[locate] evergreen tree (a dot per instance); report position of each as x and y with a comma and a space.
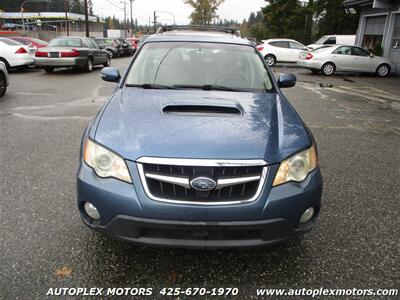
204, 11
332, 18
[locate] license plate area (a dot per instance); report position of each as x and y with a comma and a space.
54, 54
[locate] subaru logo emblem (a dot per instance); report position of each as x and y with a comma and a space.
203, 184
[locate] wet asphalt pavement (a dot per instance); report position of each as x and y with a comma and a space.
43, 243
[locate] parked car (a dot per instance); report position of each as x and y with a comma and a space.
76, 52
142, 39
344, 59
14, 54
134, 43
212, 158
334, 40
112, 46
280, 50
126, 47
28, 41
4, 81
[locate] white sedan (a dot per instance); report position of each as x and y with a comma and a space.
341, 58
14, 54
280, 50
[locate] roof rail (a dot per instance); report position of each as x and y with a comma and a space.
229, 30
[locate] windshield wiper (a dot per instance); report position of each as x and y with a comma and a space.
151, 86
206, 87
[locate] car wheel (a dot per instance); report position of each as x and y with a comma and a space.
49, 69
270, 59
110, 53
108, 62
3, 85
89, 65
328, 69
383, 70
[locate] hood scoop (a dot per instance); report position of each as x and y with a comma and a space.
201, 109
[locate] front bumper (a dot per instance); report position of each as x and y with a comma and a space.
128, 214
60, 62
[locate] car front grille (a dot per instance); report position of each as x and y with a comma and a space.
172, 180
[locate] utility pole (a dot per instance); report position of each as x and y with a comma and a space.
125, 18
86, 18
66, 9
155, 21
131, 18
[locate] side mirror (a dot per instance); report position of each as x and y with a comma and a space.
371, 55
287, 80
102, 47
110, 74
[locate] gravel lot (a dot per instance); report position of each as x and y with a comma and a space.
44, 244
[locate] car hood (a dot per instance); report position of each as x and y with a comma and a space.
264, 126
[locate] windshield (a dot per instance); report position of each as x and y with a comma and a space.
199, 65
65, 43
321, 41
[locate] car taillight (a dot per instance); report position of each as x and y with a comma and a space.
21, 51
41, 54
260, 48
72, 53
309, 56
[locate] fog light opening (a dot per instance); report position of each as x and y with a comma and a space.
91, 211
307, 215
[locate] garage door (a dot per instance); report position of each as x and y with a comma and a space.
375, 25
394, 54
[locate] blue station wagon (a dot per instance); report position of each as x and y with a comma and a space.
197, 147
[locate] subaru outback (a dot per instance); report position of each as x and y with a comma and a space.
198, 147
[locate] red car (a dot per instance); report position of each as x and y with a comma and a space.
29, 41
134, 42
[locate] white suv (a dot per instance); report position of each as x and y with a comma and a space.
280, 50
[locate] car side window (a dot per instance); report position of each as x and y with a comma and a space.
297, 46
359, 51
280, 44
343, 51
86, 44
330, 41
96, 44
91, 44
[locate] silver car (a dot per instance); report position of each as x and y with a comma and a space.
76, 52
4, 81
341, 58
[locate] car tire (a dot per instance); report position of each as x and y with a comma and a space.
89, 65
108, 62
328, 69
270, 60
3, 85
383, 70
110, 53
49, 69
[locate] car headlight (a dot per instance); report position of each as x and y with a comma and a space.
104, 162
297, 167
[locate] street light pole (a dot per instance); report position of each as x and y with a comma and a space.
22, 9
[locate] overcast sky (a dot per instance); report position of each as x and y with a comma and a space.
142, 9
